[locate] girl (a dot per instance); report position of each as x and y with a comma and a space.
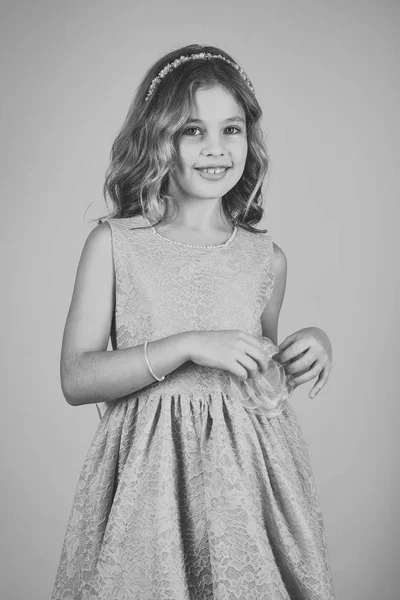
185, 493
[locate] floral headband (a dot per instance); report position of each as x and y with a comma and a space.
182, 59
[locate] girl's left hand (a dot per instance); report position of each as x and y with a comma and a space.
306, 354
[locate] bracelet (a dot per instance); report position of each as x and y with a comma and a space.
148, 364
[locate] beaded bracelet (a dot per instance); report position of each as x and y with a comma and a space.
148, 364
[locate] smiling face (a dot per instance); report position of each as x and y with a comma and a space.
215, 136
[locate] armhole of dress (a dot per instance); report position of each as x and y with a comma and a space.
273, 263
269, 269
113, 253
111, 226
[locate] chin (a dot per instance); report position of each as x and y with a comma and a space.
211, 192
212, 188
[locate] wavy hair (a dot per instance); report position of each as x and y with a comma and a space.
145, 149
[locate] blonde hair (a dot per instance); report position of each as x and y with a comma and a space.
145, 149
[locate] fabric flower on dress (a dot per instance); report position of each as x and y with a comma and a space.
266, 393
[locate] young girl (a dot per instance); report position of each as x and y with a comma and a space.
185, 493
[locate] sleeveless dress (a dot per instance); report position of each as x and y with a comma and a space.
184, 494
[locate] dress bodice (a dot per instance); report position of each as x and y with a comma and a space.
165, 287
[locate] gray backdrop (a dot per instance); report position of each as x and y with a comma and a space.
325, 75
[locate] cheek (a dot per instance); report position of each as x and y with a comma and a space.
241, 153
240, 146
187, 155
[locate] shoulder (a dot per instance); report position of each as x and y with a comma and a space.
95, 270
275, 252
97, 249
125, 223
99, 238
280, 258
109, 237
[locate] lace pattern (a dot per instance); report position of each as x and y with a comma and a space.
184, 494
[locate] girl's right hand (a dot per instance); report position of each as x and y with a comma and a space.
231, 350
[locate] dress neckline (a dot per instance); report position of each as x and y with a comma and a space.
210, 246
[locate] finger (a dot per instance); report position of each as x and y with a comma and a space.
291, 375
287, 341
249, 364
322, 379
301, 365
257, 354
305, 377
293, 351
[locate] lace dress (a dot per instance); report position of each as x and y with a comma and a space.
185, 494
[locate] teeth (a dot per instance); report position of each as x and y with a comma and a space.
219, 170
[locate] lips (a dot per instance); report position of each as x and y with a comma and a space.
214, 174
213, 167
221, 170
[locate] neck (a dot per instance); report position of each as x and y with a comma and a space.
202, 215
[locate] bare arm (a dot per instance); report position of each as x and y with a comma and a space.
270, 315
306, 353
90, 373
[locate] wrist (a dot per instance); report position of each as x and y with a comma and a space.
188, 341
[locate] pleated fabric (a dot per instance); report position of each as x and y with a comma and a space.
185, 494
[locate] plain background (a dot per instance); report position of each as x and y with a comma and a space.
325, 76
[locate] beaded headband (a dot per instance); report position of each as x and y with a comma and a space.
182, 59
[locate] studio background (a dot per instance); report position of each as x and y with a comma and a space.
325, 76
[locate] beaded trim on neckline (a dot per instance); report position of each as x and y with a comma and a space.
226, 243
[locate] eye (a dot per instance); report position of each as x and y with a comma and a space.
189, 129
233, 127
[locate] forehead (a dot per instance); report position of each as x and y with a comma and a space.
215, 104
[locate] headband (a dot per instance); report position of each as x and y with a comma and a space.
182, 59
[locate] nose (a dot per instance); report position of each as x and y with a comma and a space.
213, 145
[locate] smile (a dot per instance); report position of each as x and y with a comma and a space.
215, 173
214, 170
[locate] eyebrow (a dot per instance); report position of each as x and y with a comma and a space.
230, 119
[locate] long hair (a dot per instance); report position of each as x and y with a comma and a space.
145, 149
